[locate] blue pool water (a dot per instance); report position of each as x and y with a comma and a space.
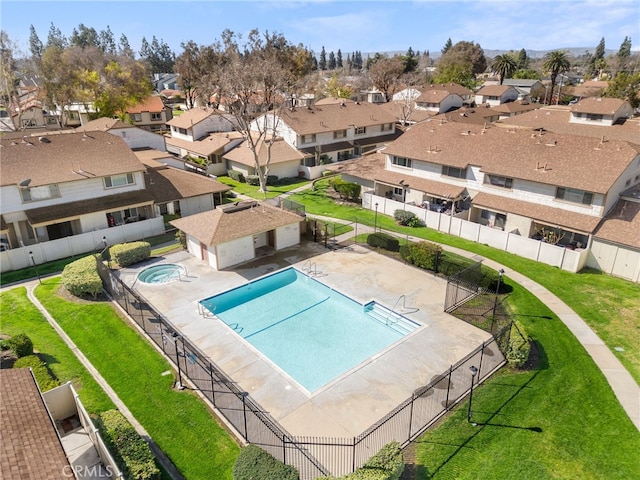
310, 331
167, 272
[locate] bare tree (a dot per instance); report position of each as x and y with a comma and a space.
384, 74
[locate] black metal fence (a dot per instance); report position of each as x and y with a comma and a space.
311, 456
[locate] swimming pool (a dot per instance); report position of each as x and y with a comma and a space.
310, 331
167, 272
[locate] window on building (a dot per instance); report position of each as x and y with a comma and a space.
339, 134
52, 121
574, 196
401, 161
498, 181
386, 127
34, 194
344, 155
156, 116
119, 180
29, 122
136, 117
593, 116
454, 172
308, 138
361, 130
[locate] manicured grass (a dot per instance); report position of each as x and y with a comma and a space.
252, 190
19, 315
611, 306
559, 421
178, 422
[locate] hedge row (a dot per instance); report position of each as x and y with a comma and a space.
125, 254
20, 344
44, 379
387, 464
129, 450
253, 463
81, 278
383, 240
346, 190
422, 254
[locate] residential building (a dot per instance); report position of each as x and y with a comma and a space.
151, 114
331, 133
406, 95
284, 160
62, 193
466, 94
600, 111
523, 86
209, 151
495, 95
133, 136
176, 191
196, 123
438, 101
511, 109
239, 232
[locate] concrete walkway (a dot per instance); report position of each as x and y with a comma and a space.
622, 383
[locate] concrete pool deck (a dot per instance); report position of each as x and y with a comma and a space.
353, 402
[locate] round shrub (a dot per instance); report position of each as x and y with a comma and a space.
20, 345
424, 254
253, 463
81, 277
40, 371
383, 240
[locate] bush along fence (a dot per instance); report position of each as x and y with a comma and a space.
311, 456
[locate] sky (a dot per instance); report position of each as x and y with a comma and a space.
367, 26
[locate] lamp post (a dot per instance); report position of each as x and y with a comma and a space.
474, 372
33, 261
375, 219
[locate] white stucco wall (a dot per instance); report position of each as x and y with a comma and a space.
287, 236
139, 138
235, 252
193, 205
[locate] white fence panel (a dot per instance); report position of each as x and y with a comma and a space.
551, 254
493, 237
470, 231
524, 247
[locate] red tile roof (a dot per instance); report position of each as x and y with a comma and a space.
152, 104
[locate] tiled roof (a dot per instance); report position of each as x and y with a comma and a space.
622, 224
494, 90
598, 105
281, 152
193, 116
329, 118
218, 226
65, 157
399, 108
333, 101
212, 143
541, 213
71, 210
433, 96
450, 87
475, 115
103, 124
29, 444
152, 104
520, 82
166, 184
557, 120
552, 159
517, 106
372, 168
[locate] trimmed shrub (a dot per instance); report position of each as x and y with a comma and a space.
349, 191
20, 345
130, 451
235, 175
424, 254
519, 346
253, 180
383, 240
125, 254
403, 217
81, 278
253, 463
272, 179
43, 376
387, 464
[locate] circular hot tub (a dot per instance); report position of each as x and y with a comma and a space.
165, 273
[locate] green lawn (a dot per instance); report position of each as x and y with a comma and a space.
179, 422
611, 306
19, 315
560, 421
252, 190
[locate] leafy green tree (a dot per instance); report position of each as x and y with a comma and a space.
597, 56
410, 61
84, 37
35, 44
469, 56
337, 89
528, 73
523, 60
555, 63
56, 38
106, 41
332, 61
504, 66
339, 59
385, 72
447, 46
625, 86
124, 49
623, 54
122, 85
456, 73
322, 64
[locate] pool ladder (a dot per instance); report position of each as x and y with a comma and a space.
311, 268
236, 327
393, 312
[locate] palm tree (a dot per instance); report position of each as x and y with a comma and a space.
555, 63
504, 66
